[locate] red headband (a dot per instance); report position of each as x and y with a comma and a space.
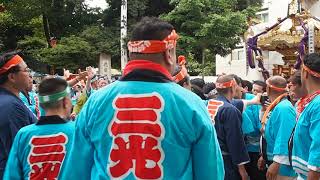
225, 85
313, 73
11, 63
181, 75
183, 72
275, 87
154, 46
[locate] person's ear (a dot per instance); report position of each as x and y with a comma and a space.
168, 57
12, 77
304, 74
64, 102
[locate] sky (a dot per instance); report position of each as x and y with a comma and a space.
97, 3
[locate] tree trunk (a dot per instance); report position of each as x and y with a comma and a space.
46, 29
203, 61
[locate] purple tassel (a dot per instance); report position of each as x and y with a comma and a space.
301, 48
253, 50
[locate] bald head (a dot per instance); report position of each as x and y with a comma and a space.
277, 81
225, 78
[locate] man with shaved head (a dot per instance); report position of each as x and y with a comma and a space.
228, 121
277, 124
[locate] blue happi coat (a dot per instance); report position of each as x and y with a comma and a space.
252, 113
246, 125
32, 103
278, 128
39, 150
306, 143
144, 126
14, 116
228, 122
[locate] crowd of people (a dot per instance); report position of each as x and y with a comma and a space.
156, 123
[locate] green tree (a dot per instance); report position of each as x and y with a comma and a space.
208, 28
29, 24
72, 52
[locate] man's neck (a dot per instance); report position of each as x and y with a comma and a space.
11, 89
274, 96
59, 113
228, 96
25, 92
313, 88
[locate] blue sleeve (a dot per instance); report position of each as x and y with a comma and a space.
247, 126
13, 170
79, 162
206, 154
314, 151
234, 136
284, 124
238, 103
257, 116
19, 118
246, 123
253, 113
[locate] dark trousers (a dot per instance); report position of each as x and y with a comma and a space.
231, 170
252, 168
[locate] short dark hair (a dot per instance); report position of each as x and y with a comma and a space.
247, 84
198, 82
296, 78
262, 84
312, 61
51, 86
208, 87
3, 60
151, 28
198, 91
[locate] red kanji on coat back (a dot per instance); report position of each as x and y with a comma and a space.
213, 107
137, 133
46, 156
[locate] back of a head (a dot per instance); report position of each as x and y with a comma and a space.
3, 60
296, 78
261, 83
50, 86
221, 80
208, 87
278, 82
198, 91
247, 84
151, 28
237, 79
312, 61
198, 82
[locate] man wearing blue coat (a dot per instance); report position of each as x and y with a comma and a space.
145, 126
14, 77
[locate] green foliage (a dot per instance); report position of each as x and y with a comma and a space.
71, 52
106, 40
206, 28
209, 27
